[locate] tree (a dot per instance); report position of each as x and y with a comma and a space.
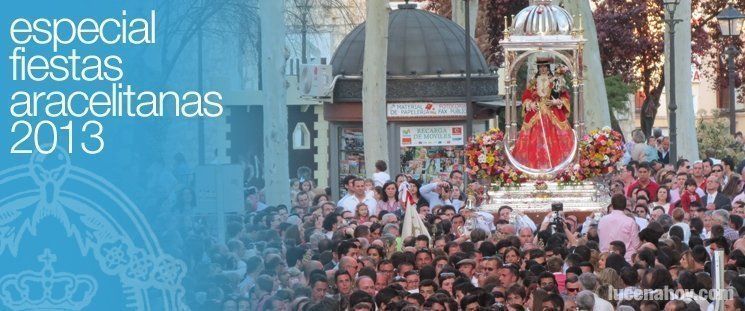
489, 25
714, 139
631, 38
711, 38
313, 17
182, 21
618, 92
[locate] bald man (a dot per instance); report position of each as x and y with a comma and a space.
366, 284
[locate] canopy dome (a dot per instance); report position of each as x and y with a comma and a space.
419, 43
542, 18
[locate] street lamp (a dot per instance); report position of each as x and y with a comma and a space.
730, 24
469, 108
672, 106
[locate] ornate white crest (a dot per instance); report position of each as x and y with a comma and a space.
100, 221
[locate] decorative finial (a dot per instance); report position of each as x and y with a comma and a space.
406, 5
506, 31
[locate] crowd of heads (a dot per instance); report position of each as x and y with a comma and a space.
348, 253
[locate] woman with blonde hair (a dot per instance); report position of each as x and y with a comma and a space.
609, 281
600, 263
686, 261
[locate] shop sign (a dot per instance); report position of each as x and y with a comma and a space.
432, 136
426, 110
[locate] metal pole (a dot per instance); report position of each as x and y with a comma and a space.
731, 51
672, 106
717, 267
469, 109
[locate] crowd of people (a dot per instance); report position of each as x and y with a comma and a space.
659, 235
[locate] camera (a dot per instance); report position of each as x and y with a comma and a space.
557, 223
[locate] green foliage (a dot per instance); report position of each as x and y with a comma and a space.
618, 92
714, 139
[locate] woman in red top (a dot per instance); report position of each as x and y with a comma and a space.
688, 197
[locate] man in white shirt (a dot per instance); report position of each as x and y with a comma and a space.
520, 221
713, 199
358, 195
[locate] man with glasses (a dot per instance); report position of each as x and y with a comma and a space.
682, 166
717, 170
412, 281
713, 198
572, 286
547, 282
490, 266
385, 267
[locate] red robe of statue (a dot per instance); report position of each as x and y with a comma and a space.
546, 138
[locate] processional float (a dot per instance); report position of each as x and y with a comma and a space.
544, 122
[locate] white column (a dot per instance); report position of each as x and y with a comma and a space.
373, 84
276, 158
597, 113
686, 116
459, 13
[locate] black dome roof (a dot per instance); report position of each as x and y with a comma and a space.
419, 42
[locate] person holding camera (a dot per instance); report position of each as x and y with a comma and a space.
437, 193
554, 223
617, 226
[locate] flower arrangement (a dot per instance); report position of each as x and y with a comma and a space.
599, 151
486, 160
561, 70
571, 176
484, 155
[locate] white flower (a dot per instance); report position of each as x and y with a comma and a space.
487, 140
482, 158
606, 129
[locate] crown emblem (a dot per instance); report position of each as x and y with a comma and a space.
46, 289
